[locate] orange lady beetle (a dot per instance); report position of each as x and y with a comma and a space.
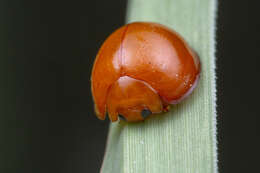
140, 70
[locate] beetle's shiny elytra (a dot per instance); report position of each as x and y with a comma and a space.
140, 69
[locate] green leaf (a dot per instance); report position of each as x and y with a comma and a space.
184, 139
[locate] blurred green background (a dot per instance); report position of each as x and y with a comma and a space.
48, 122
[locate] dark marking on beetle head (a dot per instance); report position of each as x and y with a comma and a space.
145, 113
121, 117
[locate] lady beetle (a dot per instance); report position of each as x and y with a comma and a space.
140, 70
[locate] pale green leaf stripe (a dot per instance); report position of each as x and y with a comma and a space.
183, 140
